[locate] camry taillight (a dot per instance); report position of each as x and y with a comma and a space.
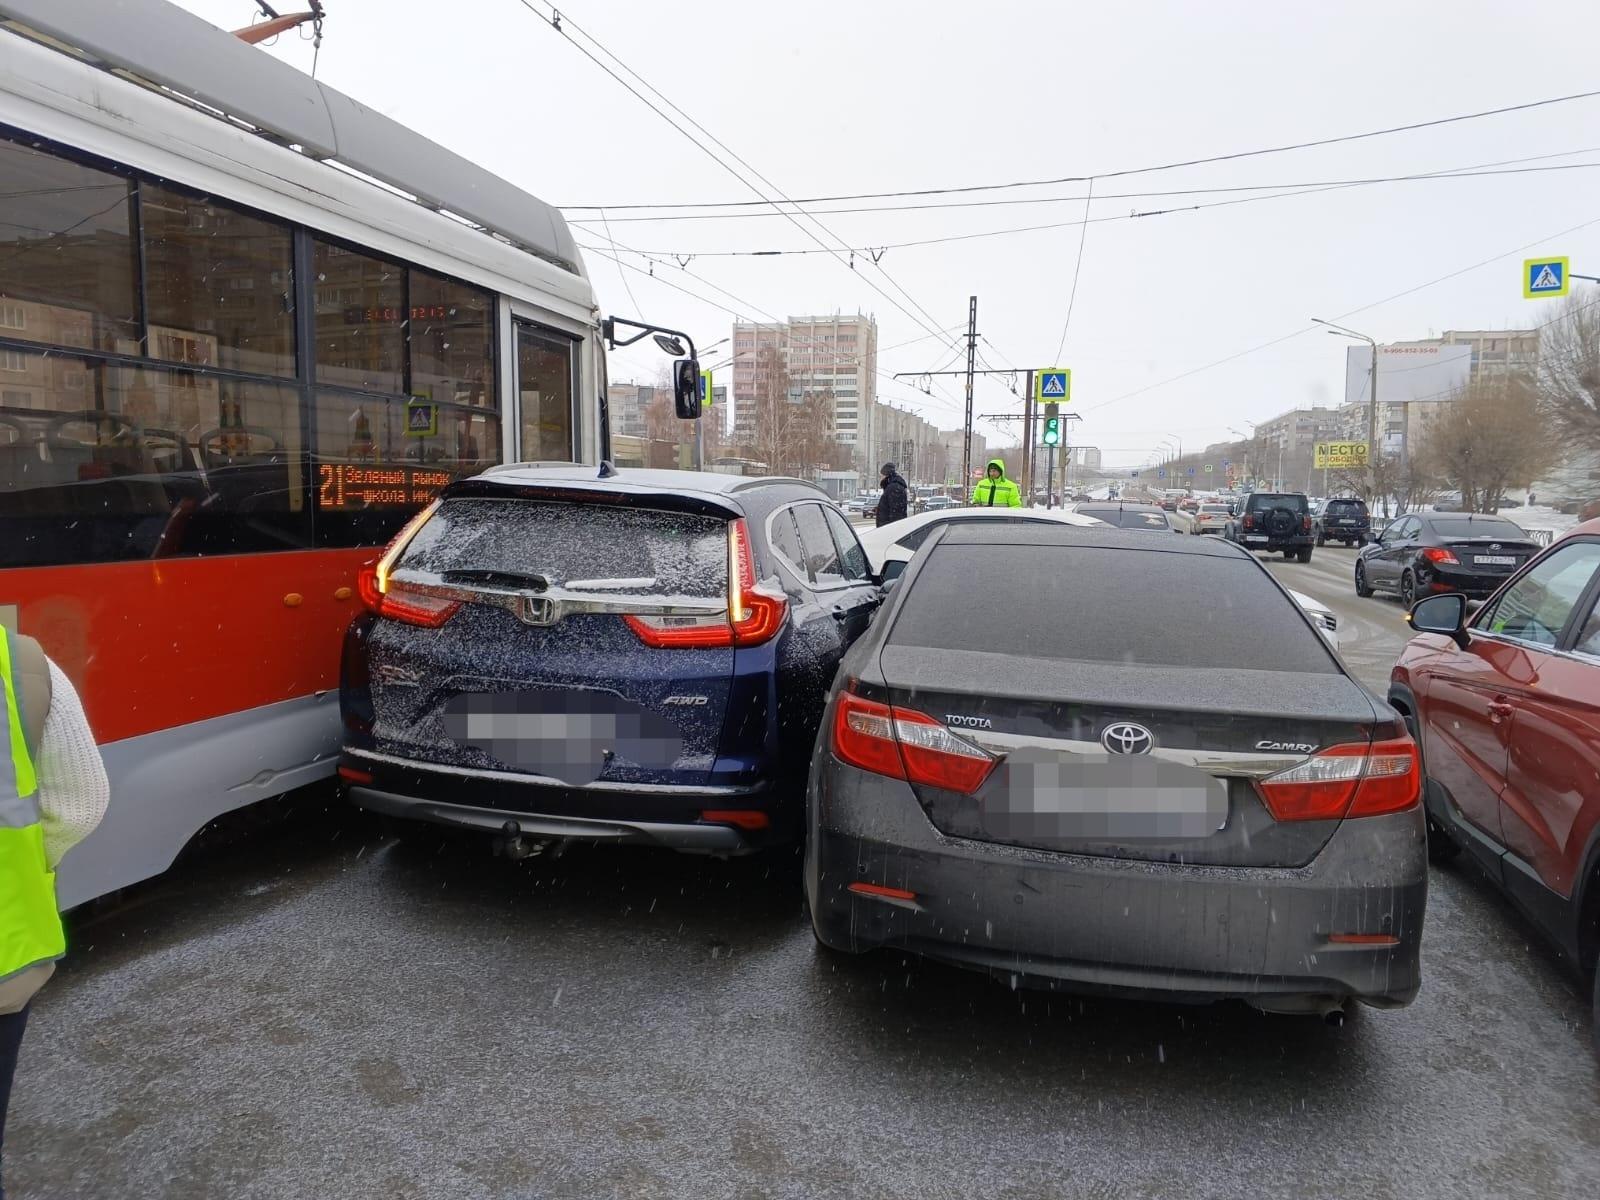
392, 598
1438, 554
903, 743
1351, 780
755, 613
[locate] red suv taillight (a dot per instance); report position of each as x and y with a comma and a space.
1249, 521
903, 743
1438, 554
755, 614
1351, 780
1305, 524
392, 598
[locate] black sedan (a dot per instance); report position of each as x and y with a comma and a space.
1471, 553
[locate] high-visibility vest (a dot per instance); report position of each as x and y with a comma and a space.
30, 925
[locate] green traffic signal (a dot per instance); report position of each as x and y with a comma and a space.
1052, 431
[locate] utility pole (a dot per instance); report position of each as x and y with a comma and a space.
1372, 428
972, 351
1027, 442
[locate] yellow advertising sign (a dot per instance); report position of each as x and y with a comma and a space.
1340, 456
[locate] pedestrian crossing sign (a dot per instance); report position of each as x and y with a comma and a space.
1544, 277
1052, 386
422, 418
1210, 468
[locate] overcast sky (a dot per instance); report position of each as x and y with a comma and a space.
846, 96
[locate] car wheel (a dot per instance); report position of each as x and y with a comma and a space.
1321, 541
1363, 588
1288, 554
1596, 1028
1408, 589
1304, 554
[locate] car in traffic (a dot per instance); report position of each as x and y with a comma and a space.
1128, 514
1276, 522
1343, 520
1505, 705
1470, 553
934, 504
1211, 518
892, 547
984, 788
641, 656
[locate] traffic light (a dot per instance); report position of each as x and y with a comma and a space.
1052, 425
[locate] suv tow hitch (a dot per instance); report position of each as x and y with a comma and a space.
511, 844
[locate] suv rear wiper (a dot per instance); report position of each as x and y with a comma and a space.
515, 579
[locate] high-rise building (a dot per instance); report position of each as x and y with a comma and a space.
837, 354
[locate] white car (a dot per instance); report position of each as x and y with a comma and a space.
890, 547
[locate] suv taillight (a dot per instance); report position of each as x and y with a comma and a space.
392, 598
755, 614
1249, 521
903, 743
1305, 524
1351, 780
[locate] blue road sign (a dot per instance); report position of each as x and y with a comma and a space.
1134, 474
1191, 471
1053, 386
1544, 277
1162, 473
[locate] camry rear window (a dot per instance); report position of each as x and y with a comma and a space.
1107, 604
512, 543
1461, 527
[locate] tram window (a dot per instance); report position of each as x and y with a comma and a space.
68, 261
379, 459
451, 341
544, 383
219, 283
360, 319
107, 463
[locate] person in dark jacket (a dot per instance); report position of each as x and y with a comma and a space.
892, 503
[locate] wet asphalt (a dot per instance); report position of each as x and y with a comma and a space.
320, 1010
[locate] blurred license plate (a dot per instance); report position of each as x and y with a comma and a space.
1254, 537
1494, 560
1347, 520
1043, 797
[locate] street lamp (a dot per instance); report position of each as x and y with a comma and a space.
1248, 438
1372, 402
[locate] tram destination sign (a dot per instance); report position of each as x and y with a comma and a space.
360, 485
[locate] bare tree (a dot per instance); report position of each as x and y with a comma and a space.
792, 434
1569, 372
1494, 435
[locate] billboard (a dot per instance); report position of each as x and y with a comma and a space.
1407, 372
1342, 456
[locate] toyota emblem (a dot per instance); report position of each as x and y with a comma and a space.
1127, 738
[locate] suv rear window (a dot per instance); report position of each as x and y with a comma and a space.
1348, 508
1105, 604
1263, 501
574, 545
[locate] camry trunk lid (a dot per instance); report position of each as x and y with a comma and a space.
1124, 723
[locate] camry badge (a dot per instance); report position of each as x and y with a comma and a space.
1127, 738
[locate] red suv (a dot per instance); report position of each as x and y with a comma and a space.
1505, 706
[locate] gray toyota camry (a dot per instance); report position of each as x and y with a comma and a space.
1036, 764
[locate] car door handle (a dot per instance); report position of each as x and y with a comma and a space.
840, 613
1500, 710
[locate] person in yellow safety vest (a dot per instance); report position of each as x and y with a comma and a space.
53, 792
994, 490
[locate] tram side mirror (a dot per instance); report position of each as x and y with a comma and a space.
686, 388
670, 345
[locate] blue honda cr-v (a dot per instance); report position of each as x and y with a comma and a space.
638, 657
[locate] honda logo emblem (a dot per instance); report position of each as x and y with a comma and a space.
1127, 738
537, 610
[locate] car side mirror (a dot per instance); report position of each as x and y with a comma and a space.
1442, 614
686, 389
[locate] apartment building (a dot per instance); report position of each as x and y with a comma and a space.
837, 353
